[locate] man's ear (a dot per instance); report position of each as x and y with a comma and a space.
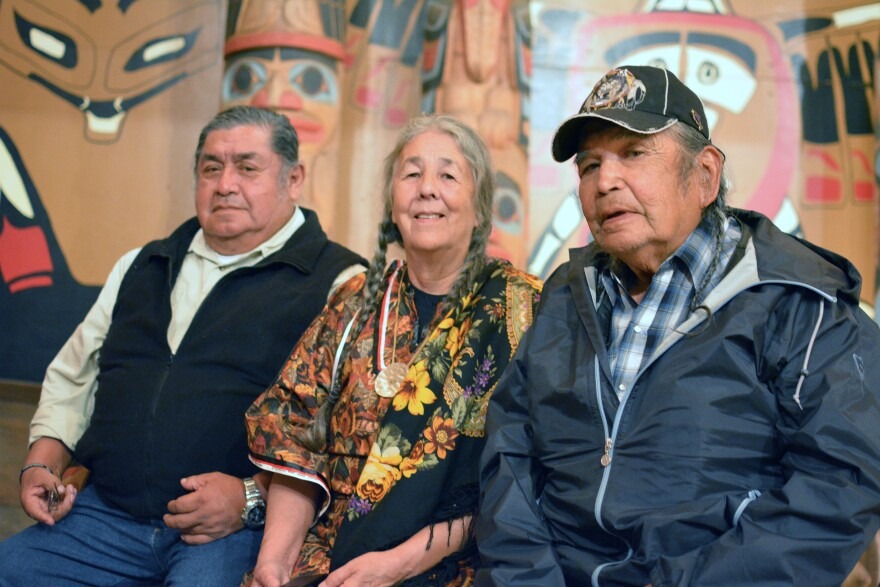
710, 162
296, 177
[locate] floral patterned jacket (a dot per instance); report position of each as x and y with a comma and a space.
394, 465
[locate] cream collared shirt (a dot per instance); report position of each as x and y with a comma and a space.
67, 399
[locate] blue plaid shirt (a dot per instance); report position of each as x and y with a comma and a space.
636, 330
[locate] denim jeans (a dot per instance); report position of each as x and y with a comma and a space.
97, 544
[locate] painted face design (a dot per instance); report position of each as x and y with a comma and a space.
303, 85
723, 59
129, 52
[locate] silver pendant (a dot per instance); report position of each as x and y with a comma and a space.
389, 380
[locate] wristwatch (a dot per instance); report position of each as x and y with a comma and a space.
253, 515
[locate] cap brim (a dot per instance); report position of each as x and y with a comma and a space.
568, 136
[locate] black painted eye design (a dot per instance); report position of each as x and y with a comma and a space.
708, 73
161, 50
243, 79
314, 80
48, 43
507, 214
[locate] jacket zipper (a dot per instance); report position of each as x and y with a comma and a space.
605, 462
606, 458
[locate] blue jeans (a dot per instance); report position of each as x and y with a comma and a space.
97, 544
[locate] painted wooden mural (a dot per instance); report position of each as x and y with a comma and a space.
102, 101
789, 90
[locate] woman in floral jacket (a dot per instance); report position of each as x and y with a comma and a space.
374, 426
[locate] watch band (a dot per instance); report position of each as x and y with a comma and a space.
253, 515
251, 491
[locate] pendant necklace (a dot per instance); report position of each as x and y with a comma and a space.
390, 377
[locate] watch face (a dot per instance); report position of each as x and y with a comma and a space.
256, 516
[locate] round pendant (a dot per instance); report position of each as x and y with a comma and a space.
390, 378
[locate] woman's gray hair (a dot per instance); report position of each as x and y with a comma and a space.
472, 148
477, 155
283, 141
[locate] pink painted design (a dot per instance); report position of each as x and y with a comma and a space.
368, 98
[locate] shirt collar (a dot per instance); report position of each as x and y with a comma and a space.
697, 252
694, 255
199, 245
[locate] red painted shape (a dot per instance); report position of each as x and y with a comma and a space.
318, 44
864, 191
823, 190
30, 283
25, 261
826, 159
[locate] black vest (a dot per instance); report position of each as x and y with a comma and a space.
160, 416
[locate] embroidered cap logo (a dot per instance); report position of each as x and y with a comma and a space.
619, 89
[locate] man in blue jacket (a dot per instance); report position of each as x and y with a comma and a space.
696, 402
150, 391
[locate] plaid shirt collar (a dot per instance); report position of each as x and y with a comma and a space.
636, 330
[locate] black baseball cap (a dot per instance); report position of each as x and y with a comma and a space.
641, 98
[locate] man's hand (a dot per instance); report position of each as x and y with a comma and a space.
373, 569
210, 511
44, 497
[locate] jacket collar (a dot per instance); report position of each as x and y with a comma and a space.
764, 254
301, 251
782, 257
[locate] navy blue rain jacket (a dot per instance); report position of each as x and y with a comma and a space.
746, 453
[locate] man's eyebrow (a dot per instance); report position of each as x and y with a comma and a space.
244, 156
237, 157
581, 155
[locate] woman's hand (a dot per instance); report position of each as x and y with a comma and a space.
373, 569
270, 574
408, 559
290, 510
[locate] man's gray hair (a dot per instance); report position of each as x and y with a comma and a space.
284, 141
691, 143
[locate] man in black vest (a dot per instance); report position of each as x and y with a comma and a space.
149, 392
